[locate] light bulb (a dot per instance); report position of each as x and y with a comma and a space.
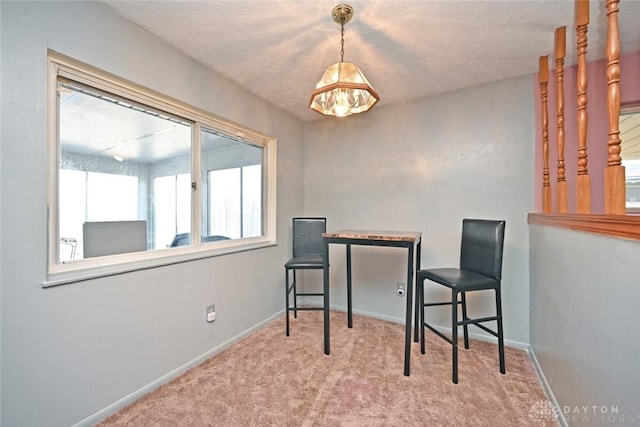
341, 110
345, 97
345, 100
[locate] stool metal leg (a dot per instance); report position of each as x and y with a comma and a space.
295, 295
286, 296
454, 333
420, 285
465, 327
500, 334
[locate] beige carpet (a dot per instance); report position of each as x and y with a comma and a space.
268, 379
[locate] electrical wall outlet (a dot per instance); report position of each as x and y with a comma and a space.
211, 313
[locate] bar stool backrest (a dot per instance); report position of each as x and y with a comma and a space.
482, 246
307, 236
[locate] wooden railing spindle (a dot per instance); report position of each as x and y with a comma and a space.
562, 195
543, 77
614, 173
583, 203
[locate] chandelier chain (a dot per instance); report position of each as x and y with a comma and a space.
342, 42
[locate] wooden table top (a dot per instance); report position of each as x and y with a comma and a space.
392, 236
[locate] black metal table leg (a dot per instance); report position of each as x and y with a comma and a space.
349, 303
409, 314
417, 313
325, 286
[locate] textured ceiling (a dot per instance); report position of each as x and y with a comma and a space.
407, 49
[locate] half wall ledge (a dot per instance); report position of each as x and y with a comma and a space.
620, 226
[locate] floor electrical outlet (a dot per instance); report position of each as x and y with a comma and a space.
211, 313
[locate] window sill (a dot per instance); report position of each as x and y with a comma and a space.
620, 226
105, 266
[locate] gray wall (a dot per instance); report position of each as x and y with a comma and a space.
425, 165
70, 351
584, 322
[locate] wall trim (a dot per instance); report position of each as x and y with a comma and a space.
546, 387
620, 226
132, 397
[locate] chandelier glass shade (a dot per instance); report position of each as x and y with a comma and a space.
343, 89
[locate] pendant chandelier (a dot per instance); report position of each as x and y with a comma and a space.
343, 89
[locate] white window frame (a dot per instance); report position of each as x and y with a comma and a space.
79, 270
632, 108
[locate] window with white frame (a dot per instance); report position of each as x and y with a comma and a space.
138, 179
171, 210
234, 201
630, 153
92, 196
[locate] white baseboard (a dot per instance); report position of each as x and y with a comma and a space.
546, 387
116, 406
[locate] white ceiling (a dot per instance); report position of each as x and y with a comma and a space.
279, 49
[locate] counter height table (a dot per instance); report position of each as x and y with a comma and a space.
403, 239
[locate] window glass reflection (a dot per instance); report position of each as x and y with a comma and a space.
111, 154
232, 174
